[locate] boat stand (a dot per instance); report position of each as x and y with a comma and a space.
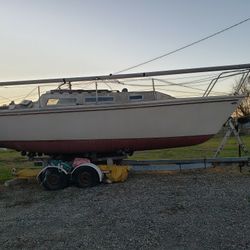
232, 128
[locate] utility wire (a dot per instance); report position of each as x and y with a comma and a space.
184, 47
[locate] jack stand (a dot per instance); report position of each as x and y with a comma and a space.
232, 128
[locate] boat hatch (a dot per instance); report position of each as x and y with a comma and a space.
61, 101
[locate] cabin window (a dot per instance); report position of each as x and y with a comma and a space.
135, 98
90, 99
100, 99
52, 102
61, 101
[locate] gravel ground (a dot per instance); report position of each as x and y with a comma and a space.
195, 210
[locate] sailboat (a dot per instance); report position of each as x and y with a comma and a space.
102, 122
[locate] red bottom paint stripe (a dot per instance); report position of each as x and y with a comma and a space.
103, 146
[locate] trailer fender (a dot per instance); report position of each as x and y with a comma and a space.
40, 175
89, 165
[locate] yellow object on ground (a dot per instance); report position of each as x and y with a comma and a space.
115, 173
27, 173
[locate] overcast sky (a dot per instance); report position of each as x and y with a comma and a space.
59, 38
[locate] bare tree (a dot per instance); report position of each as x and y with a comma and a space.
244, 107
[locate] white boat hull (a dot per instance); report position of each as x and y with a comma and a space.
108, 129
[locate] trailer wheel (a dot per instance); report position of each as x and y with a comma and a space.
85, 177
54, 180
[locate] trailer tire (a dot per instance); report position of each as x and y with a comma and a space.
53, 179
85, 177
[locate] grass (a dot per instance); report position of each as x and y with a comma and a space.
10, 159
203, 150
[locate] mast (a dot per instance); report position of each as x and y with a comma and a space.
131, 75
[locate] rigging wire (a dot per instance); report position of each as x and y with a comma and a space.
184, 47
30, 93
179, 91
17, 99
194, 76
195, 82
107, 85
203, 78
188, 92
212, 75
179, 85
125, 82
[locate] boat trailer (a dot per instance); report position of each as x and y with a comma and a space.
58, 174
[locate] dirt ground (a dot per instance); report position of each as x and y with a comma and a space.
191, 210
